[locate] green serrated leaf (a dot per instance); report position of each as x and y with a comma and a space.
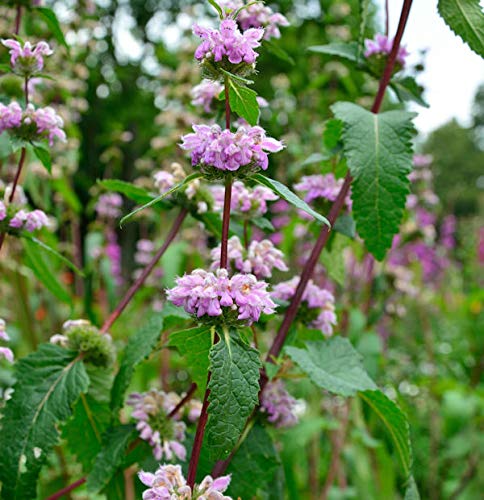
112, 455
378, 150
254, 464
42, 271
53, 23
140, 345
286, 194
466, 19
131, 191
345, 225
49, 381
395, 422
407, 89
186, 181
333, 365
234, 389
243, 101
46, 248
347, 51
194, 344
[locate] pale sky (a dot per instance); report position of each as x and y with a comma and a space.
452, 71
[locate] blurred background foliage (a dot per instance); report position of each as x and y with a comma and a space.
124, 92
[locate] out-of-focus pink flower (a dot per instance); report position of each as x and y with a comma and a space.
314, 297
109, 205
3, 211
210, 146
278, 404
10, 116
321, 186
382, 45
204, 93
228, 42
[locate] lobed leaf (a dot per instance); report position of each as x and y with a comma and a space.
378, 150
234, 389
49, 382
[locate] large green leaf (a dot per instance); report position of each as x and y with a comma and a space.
140, 345
466, 19
254, 464
333, 365
234, 388
92, 414
243, 101
285, 193
194, 344
49, 382
112, 455
41, 267
395, 422
378, 149
154, 201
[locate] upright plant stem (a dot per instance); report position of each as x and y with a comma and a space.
202, 422
146, 271
308, 270
387, 18
18, 18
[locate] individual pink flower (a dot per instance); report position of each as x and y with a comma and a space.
3, 210
228, 42
382, 45
168, 483
210, 146
163, 180
17, 221
278, 404
48, 121
204, 93
10, 116
27, 59
165, 434
259, 259
35, 220
205, 293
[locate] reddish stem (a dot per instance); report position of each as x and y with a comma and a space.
18, 18
187, 396
67, 489
146, 271
197, 443
291, 311
226, 222
387, 18
17, 175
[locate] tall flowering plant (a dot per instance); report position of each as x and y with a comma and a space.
239, 328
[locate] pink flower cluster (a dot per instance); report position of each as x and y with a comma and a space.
259, 259
321, 186
23, 219
5, 352
210, 146
257, 15
29, 58
163, 181
168, 483
382, 45
46, 122
204, 93
228, 42
205, 293
164, 434
314, 297
250, 202
278, 404
109, 205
